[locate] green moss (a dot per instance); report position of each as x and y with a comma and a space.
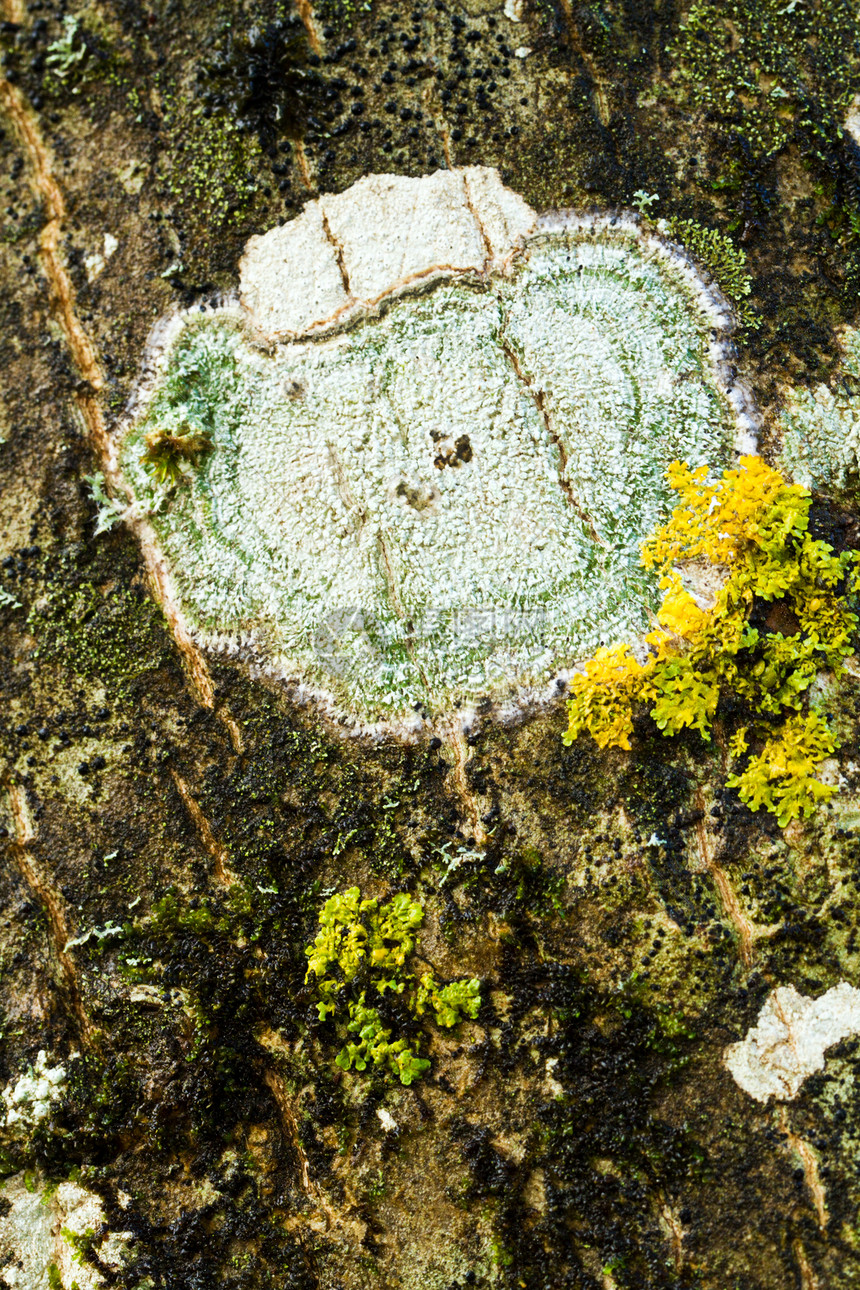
110, 633
771, 75
209, 163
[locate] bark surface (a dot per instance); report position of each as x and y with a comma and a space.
171, 825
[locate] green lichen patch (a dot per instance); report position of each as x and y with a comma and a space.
359, 953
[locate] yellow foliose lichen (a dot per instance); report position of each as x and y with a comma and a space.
773, 609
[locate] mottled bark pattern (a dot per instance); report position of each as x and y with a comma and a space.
171, 825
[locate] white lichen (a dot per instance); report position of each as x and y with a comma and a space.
28, 1099
821, 427
435, 487
108, 511
790, 1040
45, 1233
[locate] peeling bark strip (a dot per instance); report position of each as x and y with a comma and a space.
539, 399
808, 1279
728, 896
462, 755
51, 904
306, 13
304, 168
84, 356
809, 1163
338, 251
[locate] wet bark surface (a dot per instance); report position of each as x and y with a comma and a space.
171, 825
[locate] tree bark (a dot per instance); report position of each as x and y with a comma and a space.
172, 824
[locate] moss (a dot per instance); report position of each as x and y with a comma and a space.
775, 76
209, 162
111, 633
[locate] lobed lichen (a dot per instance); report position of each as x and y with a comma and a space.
445, 501
732, 548
726, 262
359, 953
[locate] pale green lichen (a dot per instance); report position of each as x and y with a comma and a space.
821, 427
108, 512
65, 56
723, 260
29, 1099
445, 501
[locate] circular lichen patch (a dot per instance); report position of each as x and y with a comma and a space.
443, 499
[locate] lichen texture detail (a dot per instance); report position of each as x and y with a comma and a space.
752, 604
412, 465
358, 963
821, 427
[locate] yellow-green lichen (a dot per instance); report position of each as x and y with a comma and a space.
359, 954
764, 609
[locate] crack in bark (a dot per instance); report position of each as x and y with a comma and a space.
338, 252
802, 1150
676, 1234
50, 902
345, 493
219, 853
288, 1120
388, 573
808, 1279
488, 249
302, 163
306, 13
462, 753
728, 896
84, 356
747, 931
808, 1160
225, 876
539, 399
397, 606
601, 102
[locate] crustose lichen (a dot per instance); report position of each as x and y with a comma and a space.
359, 953
773, 610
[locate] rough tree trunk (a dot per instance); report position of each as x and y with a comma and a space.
172, 825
